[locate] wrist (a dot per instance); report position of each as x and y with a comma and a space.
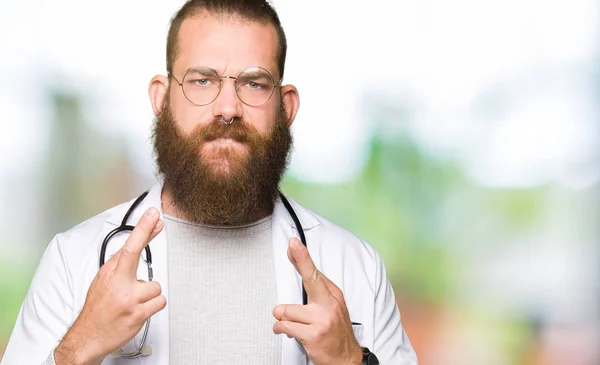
356, 356
72, 351
63, 355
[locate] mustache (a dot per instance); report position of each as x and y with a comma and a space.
239, 131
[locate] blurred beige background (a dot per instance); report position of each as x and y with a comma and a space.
460, 138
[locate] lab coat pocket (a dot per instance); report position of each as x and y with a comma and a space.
358, 329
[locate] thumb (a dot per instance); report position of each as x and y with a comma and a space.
311, 277
293, 242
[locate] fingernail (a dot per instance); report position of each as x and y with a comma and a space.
276, 312
159, 225
295, 242
152, 212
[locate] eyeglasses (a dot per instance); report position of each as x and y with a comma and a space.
202, 85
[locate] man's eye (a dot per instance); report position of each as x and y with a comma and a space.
253, 85
202, 82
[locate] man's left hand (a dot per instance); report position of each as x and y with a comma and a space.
323, 325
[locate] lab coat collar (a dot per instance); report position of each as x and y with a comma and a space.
289, 282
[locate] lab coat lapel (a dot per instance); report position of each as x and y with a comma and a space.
289, 283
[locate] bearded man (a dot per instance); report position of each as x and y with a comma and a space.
213, 265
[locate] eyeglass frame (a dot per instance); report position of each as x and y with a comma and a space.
275, 85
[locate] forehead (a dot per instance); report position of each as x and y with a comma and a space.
226, 44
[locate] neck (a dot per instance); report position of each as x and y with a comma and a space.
170, 208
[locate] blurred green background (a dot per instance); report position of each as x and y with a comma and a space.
461, 139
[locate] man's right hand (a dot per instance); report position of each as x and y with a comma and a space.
117, 303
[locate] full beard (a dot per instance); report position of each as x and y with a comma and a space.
241, 188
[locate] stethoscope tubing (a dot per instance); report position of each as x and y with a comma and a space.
124, 227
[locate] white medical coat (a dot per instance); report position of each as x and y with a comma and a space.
70, 263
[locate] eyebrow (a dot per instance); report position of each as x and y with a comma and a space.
256, 73
202, 69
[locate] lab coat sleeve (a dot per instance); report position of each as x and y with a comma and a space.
46, 312
391, 343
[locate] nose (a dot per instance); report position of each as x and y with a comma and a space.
227, 105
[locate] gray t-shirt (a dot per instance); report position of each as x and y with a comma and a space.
222, 291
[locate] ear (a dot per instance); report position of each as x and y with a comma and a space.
157, 90
291, 102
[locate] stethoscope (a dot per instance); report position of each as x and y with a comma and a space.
142, 350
